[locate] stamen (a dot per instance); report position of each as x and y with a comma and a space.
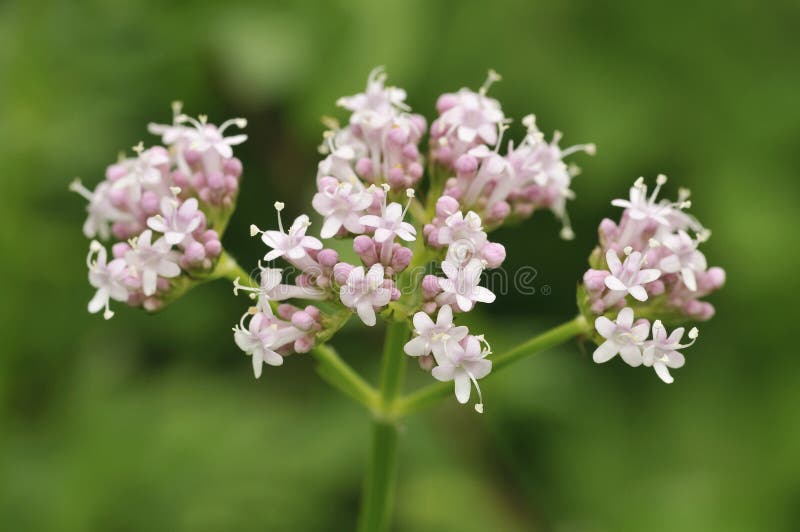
628, 250
479, 404
139, 148
491, 78
77, 186
279, 207
254, 230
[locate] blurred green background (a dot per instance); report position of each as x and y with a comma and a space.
155, 423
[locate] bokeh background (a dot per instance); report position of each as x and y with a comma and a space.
155, 423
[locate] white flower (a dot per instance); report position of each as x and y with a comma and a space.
271, 289
172, 133
464, 363
685, 258
108, 278
669, 216
342, 206
662, 351
458, 226
206, 136
628, 277
376, 100
151, 260
101, 212
390, 223
294, 244
461, 285
258, 342
365, 292
438, 337
145, 171
474, 116
622, 337
177, 221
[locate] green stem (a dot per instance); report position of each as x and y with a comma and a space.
338, 374
376, 501
555, 336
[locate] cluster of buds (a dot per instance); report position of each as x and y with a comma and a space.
465, 142
649, 266
163, 212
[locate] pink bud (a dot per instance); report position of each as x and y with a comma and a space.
494, 254
419, 123
655, 288
152, 304
430, 286
499, 210
341, 271
445, 206
210, 235
180, 179
397, 136
410, 151
401, 258
116, 171
396, 177
213, 248
594, 280
446, 101
466, 164
327, 258
364, 246
313, 311
715, 277
216, 180
195, 252
286, 311
303, 321
364, 167
429, 307
233, 166
598, 307
415, 170
608, 228
192, 157
303, 280
303, 344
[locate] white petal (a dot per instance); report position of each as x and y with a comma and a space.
625, 317
463, 386
613, 261
614, 284
423, 322
366, 313
638, 292
417, 347
663, 372
631, 355
605, 352
605, 326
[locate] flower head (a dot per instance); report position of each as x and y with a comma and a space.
662, 351
623, 337
436, 338
364, 292
465, 364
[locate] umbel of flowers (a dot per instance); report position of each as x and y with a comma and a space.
367, 191
648, 266
163, 212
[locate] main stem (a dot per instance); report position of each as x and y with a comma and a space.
376, 502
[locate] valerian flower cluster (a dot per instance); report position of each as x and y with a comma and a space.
163, 211
649, 265
418, 226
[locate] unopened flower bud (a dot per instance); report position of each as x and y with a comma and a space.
494, 254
